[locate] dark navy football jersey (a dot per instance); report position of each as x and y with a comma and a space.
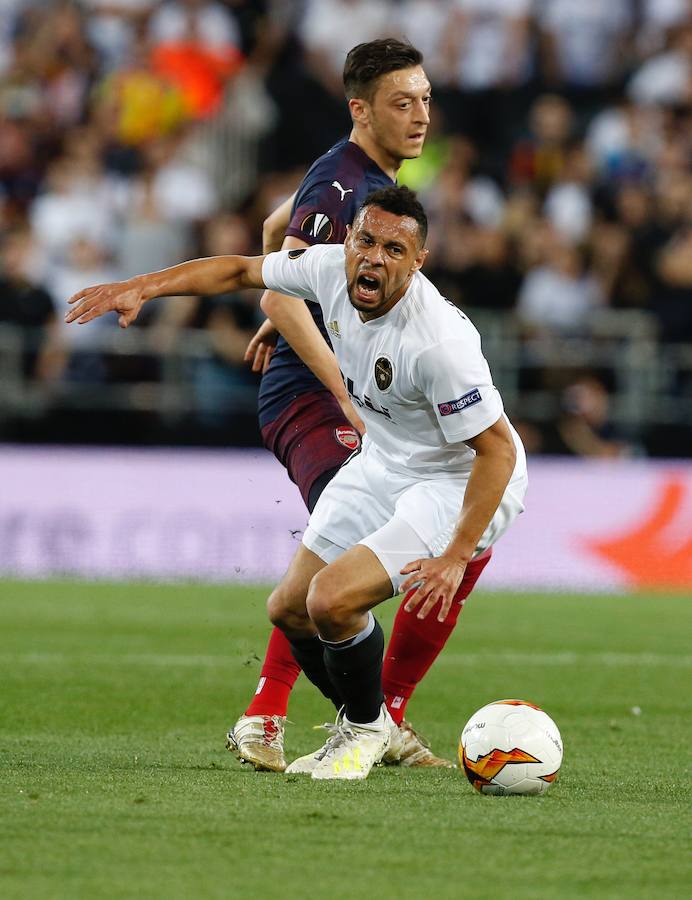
326, 202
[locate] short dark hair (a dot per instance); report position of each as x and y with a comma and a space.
366, 63
400, 201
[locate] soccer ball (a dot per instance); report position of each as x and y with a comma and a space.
510, 747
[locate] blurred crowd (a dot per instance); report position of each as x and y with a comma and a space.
557, 172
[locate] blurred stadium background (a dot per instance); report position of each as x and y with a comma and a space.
558, 179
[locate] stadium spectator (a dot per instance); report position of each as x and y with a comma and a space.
666, 78
583, 426
487, 60
487, 44
331, 27
568, 204
196, 46
674, 306
53, 61
113, 26
461, 192
559, 296
623, 141
425, 23
489, 280
134, 104
66, 210
206, 22
10, 10
146, 236
585, 44
658, 17
538, 158
84, 261
181, 188
225, 390
27, 305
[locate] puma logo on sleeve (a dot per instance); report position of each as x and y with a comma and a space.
341, 190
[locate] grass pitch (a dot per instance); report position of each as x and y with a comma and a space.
114, 783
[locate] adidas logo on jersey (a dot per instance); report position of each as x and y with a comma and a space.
333, 329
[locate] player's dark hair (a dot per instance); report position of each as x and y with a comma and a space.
400, 201
366, 63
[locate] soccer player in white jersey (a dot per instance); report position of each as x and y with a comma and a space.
442, 473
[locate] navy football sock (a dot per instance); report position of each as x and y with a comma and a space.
355, 668
309, 654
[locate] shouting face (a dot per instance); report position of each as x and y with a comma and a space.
383, 252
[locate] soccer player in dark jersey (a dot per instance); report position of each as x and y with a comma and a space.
302, 423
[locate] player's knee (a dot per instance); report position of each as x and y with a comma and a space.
327, 605
285, 611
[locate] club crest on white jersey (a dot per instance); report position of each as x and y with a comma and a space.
384, 373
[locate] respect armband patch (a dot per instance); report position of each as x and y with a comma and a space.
459, 405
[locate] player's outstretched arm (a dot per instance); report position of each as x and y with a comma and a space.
441, 576
199, 277
261, 347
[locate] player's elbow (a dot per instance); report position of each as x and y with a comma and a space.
507, 451
502, 445
270, 304
269, 233
496, 440
496, 445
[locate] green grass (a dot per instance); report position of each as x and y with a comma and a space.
114, 782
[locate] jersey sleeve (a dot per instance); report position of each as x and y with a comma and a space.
322, 211
294, 272
455, 378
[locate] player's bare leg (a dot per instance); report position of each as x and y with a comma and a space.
258, 737
339, 602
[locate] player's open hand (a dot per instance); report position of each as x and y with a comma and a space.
438, 579
259, 350
123, 297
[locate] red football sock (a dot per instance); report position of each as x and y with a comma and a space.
278, 675
416, 643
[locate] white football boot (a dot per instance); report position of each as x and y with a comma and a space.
259, 740
304, 765
354, 749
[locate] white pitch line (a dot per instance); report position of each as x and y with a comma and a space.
504, 658
568, 658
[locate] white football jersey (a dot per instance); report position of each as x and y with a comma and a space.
417, 374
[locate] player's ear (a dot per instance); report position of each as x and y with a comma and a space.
359, 110
419, 260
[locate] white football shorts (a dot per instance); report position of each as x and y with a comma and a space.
398, 517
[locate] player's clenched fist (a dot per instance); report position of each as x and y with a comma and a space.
123, 297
